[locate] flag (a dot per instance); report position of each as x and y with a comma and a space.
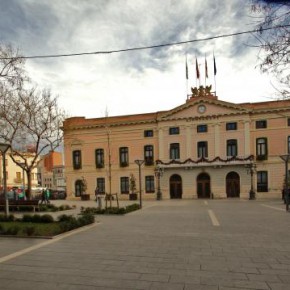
186, 69
214, 65
206, 72
197, 69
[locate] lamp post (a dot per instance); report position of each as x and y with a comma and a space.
158, 174
3, 149
139, 163
252, 169
286, 159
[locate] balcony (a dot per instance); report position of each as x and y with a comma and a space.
215, 162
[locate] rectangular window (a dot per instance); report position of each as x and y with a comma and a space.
149, 184
77, 159
231, 126
18, 176
124, 156
288, 144
124, 185
148, 155
262, 181
99, 158
201, 128
148, 133
288, 121
232, 147
202, 149
101, 185
261, 148
261, 124
174, 151
174, 131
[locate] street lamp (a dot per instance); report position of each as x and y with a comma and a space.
3, 149
286, 159
252, 169
158, 174
139, 163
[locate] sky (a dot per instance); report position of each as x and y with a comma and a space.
141, 81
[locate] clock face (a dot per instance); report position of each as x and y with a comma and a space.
201, 108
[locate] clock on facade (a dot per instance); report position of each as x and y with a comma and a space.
201, 108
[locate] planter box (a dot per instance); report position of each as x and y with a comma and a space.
133, 196
85, 197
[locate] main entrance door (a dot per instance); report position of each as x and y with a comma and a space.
203, 185
175, 186
233, 184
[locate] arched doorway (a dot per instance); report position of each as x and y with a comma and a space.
203, 185
78, 187
175, 186
233, 184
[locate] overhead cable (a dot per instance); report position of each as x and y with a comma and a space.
149, 47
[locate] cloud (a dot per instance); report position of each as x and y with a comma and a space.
127, 82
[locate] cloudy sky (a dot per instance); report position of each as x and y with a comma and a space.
138, 81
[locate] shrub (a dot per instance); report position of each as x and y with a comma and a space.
46, 218
29, 230
37, 218
13, 230
132, 207
27, 218
48, 207
4, 218
86, 219
64, 218
64, 207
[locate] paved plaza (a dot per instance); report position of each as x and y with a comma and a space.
169, 244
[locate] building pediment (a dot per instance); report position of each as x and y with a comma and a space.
203, 107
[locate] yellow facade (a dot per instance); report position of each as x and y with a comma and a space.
204, 148
16, 177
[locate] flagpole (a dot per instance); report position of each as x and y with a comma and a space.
196, 69
204, 71
186, 75
214, 72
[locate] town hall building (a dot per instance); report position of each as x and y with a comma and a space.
204, 148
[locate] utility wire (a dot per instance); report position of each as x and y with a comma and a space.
149, 47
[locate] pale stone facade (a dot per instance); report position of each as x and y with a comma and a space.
205, 148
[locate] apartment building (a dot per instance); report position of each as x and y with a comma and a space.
51, 163
203, 148
16, 176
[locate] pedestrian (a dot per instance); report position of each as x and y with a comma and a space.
98, 198
287, 198
47, 195
43, 196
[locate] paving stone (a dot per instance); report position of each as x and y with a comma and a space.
167, 245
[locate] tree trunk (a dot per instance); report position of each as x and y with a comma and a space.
28, 192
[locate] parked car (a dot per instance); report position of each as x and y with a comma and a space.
57, 194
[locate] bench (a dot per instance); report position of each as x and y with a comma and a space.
34, 203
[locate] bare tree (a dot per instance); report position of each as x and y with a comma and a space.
275, 43
12, 73
30, 121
